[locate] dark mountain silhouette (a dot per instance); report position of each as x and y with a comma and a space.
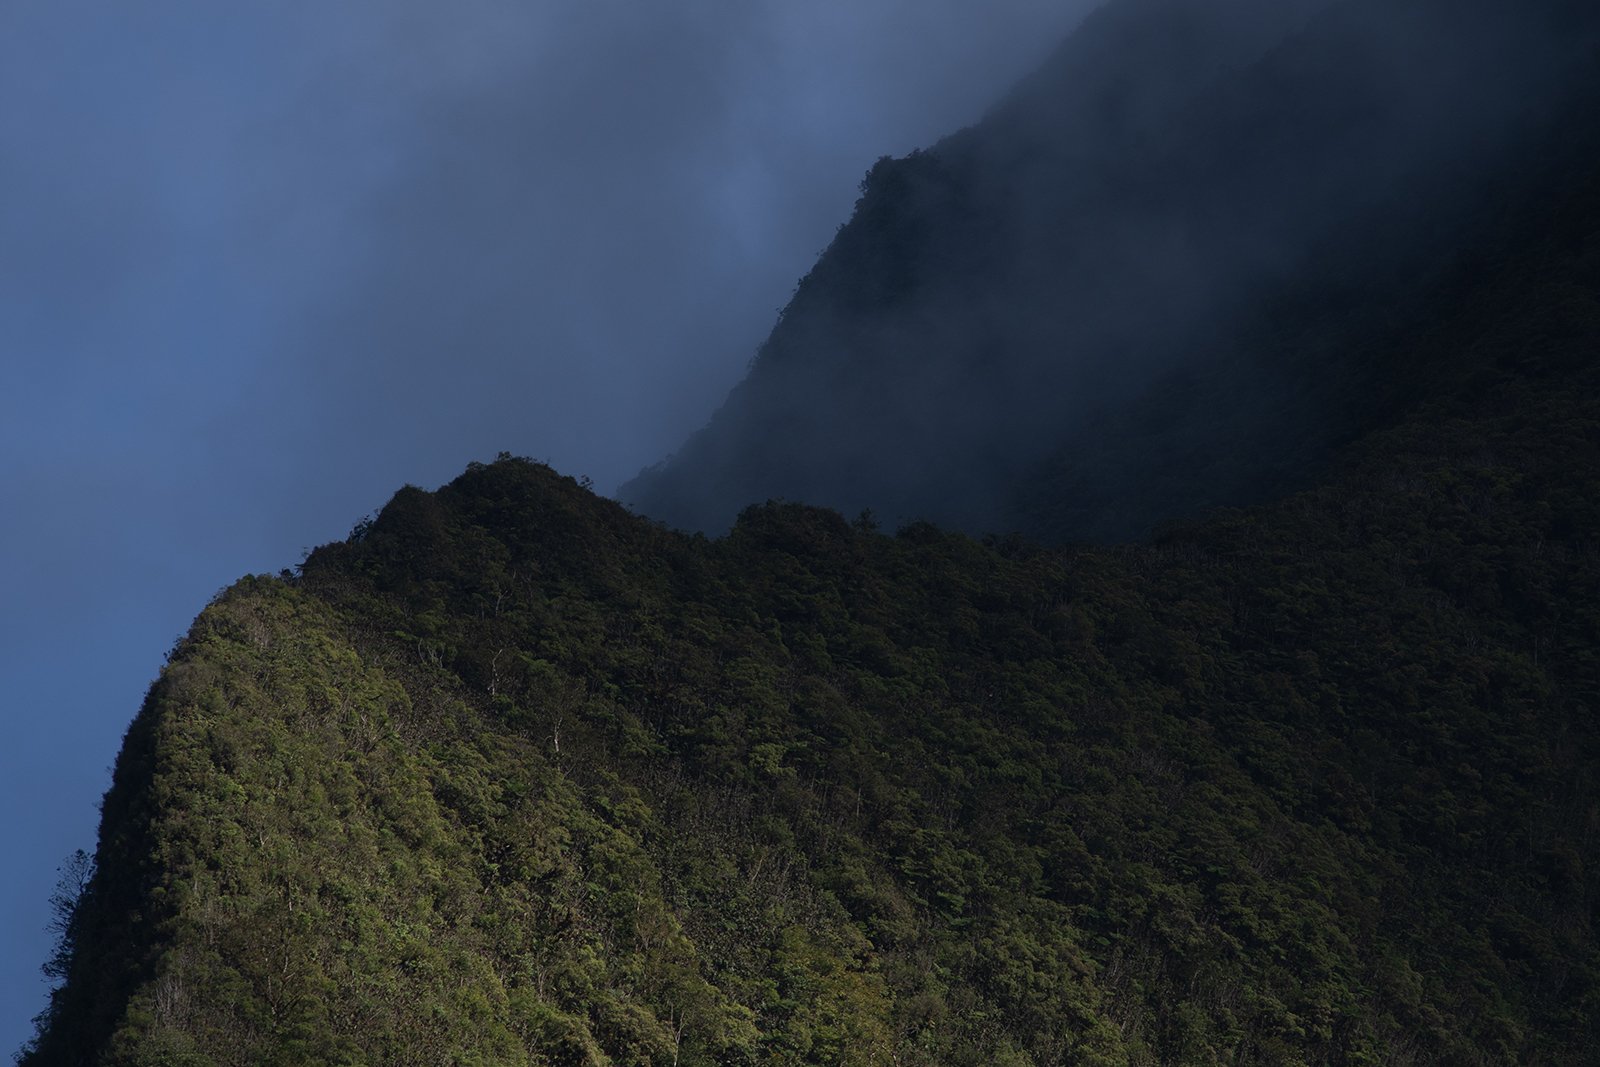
1123, 296
515, 776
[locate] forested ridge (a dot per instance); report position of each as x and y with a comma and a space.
513, 775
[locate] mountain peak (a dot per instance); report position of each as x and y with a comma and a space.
1191, 200
513, 775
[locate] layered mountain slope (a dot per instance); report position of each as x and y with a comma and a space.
1197, 206
513, 776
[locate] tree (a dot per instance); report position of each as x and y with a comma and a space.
76, 873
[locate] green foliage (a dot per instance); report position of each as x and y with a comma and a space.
516, 777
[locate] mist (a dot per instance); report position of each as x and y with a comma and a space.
1134, 292
262, 264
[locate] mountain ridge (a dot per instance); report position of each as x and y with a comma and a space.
1252, 664
513, 775
1053, 286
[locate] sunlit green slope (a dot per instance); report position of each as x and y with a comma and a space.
513, 776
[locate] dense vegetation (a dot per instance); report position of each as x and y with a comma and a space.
515, 776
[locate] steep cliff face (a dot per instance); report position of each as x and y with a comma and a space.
515, 776
1217, 192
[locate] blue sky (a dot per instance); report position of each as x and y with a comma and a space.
263, 263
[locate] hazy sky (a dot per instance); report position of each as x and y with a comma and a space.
262, 263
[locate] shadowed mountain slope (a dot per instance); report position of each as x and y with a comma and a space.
513, 776
1135, 290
